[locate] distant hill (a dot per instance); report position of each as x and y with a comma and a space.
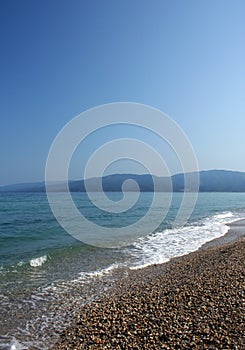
210, 181
24, 187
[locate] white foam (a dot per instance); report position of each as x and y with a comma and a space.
229, 214
160, 247
224, 229
98, 273
14, 344
38, 261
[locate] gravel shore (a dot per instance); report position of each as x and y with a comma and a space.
193, 302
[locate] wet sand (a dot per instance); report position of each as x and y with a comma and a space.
193, 302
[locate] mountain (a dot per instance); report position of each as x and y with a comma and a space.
214, 181
222, 181
24, 187
210, 181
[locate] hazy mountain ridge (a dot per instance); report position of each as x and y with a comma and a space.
210, 181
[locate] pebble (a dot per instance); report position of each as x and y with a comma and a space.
193, 302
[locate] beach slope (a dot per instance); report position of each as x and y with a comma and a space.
192, 302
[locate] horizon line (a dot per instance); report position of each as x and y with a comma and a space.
113, 174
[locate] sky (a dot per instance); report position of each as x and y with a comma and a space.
61, 57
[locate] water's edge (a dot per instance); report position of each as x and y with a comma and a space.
236, 231
94, 285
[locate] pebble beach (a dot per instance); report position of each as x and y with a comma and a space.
196, 301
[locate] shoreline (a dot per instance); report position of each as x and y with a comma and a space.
191, 302
235, 233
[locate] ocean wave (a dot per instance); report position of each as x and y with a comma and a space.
226, 215
224, 229
86, 276
160, 247
35, 262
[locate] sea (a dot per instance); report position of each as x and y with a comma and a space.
46, 274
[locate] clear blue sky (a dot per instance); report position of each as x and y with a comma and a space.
60, 57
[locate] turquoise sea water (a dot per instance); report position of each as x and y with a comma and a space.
45, 274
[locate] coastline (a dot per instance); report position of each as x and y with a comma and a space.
235, 233
192, 302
